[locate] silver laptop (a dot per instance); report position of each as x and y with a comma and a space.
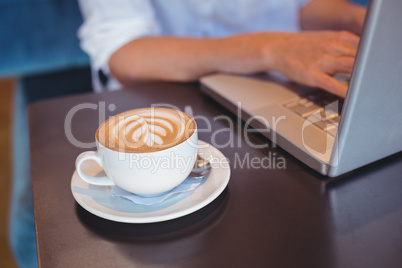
331, 135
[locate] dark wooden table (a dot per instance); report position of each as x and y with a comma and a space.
266, 217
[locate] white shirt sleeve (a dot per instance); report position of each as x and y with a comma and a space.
303, 3
110, 24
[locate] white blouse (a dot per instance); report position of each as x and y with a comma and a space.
110, 24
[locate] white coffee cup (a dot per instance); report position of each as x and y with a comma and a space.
146, 174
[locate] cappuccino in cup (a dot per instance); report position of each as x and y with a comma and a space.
146, 151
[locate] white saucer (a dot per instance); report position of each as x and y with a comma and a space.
99, 201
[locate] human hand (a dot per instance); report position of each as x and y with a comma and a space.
311, 58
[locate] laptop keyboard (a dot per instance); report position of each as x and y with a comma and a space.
321, 108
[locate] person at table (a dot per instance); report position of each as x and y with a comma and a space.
180, 40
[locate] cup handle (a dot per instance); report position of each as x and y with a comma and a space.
90, 155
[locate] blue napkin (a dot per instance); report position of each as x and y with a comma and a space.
188, 185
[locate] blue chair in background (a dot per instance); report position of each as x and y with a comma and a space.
39, 47
361, 2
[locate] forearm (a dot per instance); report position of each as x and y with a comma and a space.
187, 59
307, 57
332, 15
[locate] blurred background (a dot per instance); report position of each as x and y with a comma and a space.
39, 56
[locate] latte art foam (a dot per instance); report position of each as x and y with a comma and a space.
145, 130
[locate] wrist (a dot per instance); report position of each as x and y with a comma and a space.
237, 54
359, 17
244, 53
273, 54
354, 18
